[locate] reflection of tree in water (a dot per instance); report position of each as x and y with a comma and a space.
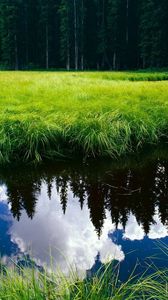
77, 185
23, 194
62, 188
50, 182
161, 191
137, 191
145, 202
96, 205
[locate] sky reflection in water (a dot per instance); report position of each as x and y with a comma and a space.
75, 216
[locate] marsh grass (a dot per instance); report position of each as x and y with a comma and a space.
30, 284
46, 115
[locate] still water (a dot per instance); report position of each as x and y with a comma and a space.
86, 214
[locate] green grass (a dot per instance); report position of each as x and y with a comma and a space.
30, 284
21, 283
47, 115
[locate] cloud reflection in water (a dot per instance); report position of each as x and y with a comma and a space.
71, 236
75, 213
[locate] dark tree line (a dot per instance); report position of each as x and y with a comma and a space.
141, 191
83, 34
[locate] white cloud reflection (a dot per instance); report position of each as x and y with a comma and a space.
70, 237
3, 193
157, 230
133, 231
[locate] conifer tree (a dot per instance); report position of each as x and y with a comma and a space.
83, 34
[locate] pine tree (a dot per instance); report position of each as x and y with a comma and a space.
65, 32
9, 33
112, 33
31, 37
83, 34
151, 28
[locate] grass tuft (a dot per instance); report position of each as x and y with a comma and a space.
47, 115
29, 284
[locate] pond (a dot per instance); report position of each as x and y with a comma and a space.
86, 214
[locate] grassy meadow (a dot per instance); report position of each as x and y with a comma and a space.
48, 115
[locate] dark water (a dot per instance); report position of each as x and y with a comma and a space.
75, 212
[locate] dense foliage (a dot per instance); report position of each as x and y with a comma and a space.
83, 34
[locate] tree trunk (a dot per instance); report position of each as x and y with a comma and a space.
75, 36
47, 55
82, 37
16, 54
26, 37
114, 61
103, 35
127, 16
82, 62
68, 57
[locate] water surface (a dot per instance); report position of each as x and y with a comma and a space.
80, 213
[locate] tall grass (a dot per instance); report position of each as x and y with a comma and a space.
29, 284
47, 115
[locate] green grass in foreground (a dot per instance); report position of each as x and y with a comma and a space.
32, 285
50, 114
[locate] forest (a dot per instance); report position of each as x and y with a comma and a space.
83, 34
